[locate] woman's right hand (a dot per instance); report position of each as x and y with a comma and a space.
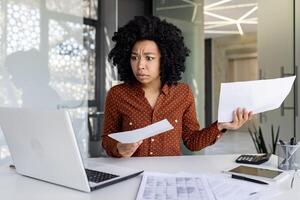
127, 150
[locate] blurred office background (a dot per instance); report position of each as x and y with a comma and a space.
53, 55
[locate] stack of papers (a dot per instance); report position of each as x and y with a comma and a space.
184, 186
256, 96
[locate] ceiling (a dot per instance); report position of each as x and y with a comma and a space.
221, 17
229, 17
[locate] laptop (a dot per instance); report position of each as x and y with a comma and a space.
43, 146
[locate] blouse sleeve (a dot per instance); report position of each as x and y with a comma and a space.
112, 121
194, 138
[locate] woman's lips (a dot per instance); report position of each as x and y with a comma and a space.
142, 76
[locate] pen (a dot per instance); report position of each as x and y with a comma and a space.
293, 141
281, 142
248, 179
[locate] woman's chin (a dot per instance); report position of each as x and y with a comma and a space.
144, 80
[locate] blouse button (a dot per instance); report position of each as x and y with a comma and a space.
151, 153
152, 140
176, 120
130, 123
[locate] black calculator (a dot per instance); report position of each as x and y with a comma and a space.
253, 159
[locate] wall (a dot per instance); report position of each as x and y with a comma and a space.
222, 49
275, 50
128, 9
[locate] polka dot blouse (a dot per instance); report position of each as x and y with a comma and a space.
126, 108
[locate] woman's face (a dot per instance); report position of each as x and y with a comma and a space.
145, 62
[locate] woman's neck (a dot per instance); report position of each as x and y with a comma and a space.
152, 88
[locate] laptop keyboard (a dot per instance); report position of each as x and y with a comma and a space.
97, 177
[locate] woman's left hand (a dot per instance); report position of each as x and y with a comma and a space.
240, 117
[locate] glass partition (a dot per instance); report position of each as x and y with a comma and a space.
44, 63
297, 60
188, 16
275, 59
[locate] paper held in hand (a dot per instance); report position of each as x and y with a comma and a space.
256, 96
142, 133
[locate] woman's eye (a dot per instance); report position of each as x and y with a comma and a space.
148, 58
133, 58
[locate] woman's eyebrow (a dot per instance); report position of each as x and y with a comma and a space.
149, 53
145, 53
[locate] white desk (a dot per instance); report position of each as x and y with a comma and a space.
14, 186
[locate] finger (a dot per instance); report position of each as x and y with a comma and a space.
122, 152
242, 117
129, 149
240, 114
133, 147
234, 122
235, 116
245, 115
126, 147
123, 148
126, 153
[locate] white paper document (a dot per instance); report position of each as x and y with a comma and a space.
173, 187
142, 133
186, 186
256, 96
225, 188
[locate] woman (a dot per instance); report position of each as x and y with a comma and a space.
150, 55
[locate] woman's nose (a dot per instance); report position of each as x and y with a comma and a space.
141, 64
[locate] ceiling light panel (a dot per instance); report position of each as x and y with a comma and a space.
234, 16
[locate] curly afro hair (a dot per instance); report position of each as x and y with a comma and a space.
167, 37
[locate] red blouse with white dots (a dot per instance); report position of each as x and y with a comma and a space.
126, 108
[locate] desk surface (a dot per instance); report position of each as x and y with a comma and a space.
14, 186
